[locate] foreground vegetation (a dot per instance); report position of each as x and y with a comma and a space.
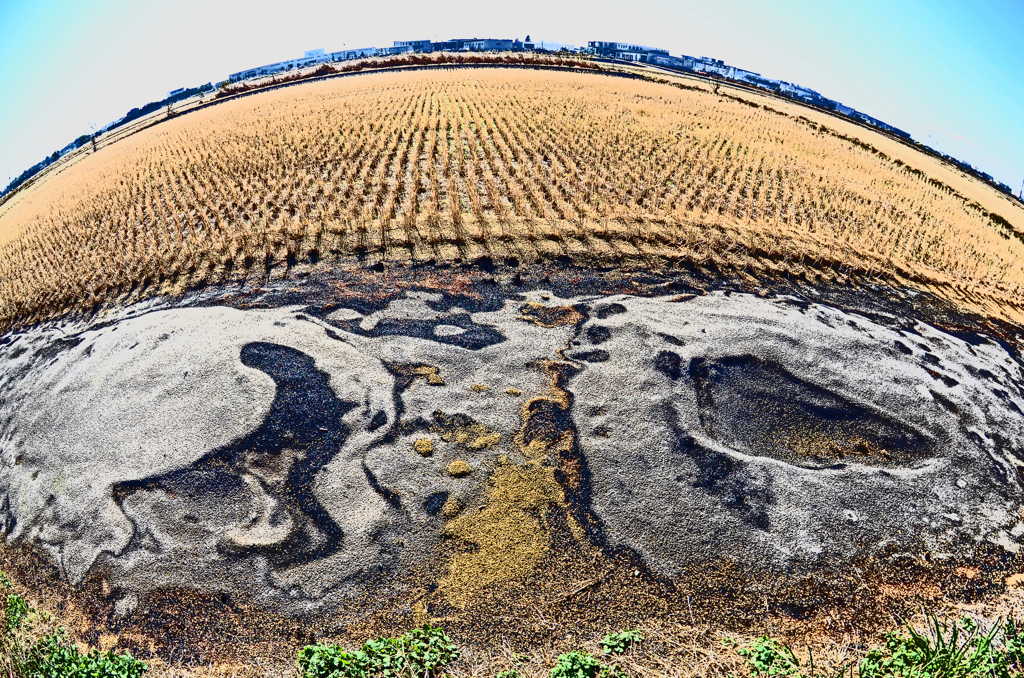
954, 649
450, 165
945, 650
33, 646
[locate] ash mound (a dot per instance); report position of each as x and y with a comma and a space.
301, 457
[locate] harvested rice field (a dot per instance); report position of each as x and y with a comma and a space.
455, 164
530, 355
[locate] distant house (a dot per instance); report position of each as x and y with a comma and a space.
312, 54
528, 44
175, 91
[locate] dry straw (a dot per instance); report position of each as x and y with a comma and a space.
452, 164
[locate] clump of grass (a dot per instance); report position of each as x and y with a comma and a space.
31, 648
421, 653
960, 648
947, 649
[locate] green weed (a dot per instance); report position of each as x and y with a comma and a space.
580, 665
55, 657
618, 642
770, 657
15, 611
420, 653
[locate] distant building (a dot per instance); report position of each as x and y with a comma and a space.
746, 76
396, 49
415, 45
312, 58
798, 92
454, 45
175, 91
715, 66
346, 54
757, 80
625, 50
528, 44
488, 45
682, 63
260, 71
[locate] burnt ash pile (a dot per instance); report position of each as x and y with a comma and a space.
306, 446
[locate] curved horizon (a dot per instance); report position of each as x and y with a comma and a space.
952, 77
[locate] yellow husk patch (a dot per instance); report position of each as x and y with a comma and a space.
509, 532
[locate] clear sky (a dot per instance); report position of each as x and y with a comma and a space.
949, 72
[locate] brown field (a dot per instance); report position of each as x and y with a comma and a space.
455, 164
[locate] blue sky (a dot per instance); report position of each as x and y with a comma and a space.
949, 72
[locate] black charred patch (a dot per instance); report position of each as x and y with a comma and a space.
723, 477
474, 337
597, 334
759, 408
432, 504
669, 364
597, 356
299, 436
903, 348
379, 419
608, 310
675, 341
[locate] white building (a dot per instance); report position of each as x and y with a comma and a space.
798, 91
715, 66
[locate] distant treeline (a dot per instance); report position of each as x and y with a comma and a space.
133, 114
137, 113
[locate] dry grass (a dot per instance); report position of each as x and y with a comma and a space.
461, 163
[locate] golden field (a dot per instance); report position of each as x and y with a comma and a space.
454, 164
